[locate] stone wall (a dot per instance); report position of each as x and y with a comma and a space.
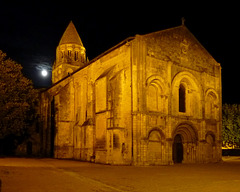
151, 100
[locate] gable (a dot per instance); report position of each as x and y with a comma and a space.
179, 46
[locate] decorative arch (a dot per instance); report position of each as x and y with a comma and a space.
211, 104
187, 131
210, 137
158, 133
210, 146
187, 102
157, 79
155, 100
187, 77
155, 146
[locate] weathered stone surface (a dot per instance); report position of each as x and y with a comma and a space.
153, 99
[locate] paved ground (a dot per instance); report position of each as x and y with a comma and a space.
48, 175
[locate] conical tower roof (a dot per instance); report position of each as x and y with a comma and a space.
70, 36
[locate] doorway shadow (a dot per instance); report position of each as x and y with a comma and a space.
177, 149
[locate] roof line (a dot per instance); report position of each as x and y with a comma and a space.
164, 30
94, 59
122, 43
112, 48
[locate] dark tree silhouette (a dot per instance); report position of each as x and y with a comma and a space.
17, 104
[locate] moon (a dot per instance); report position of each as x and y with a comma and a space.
44, 73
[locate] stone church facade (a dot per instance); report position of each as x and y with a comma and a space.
152, 99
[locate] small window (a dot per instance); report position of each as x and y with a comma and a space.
182, 99
116, 141
76, 56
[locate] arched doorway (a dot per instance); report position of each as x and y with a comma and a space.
184, 147
177, 149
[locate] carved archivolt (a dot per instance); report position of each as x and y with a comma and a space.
186, 90
156, 94
187, 131
211, 104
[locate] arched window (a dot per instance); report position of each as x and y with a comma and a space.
60, 55
186, 96
182, 98
76, 56
211, 106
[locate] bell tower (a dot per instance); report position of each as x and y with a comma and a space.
70, 54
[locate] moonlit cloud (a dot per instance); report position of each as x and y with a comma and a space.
41, 63
43, 66
36, 65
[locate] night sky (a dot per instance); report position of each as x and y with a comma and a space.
30, 33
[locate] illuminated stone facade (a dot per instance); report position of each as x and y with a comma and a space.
152, 99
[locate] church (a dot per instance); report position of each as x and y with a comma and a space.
153, 99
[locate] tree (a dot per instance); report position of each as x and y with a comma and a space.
231, 125
17, 100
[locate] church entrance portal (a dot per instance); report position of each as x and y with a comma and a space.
184, 148
177, 149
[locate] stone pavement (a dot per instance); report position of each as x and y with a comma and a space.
48, 175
